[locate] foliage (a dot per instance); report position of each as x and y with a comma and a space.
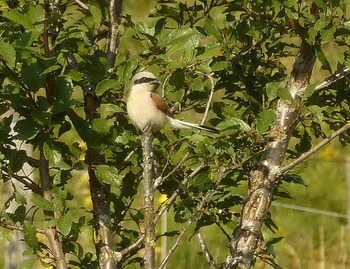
55, 76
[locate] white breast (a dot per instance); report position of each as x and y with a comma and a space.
142, 110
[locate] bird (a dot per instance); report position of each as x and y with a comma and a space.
146, 108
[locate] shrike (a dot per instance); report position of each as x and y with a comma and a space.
146, 108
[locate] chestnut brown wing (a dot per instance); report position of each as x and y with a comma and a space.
160, 104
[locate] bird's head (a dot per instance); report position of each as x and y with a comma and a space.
144, 80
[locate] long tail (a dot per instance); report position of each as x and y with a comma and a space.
187, 125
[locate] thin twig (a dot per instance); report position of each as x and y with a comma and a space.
211, 95
173, 197
14, 227
159, 181
172, 249
332, 79
25, 181
81, 4
206, 252
315, 149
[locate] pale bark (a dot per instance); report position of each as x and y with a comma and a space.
247, 236
148, 199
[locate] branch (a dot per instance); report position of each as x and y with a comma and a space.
25, 181
315, 149
14, 227
206, 252
115, 18
332, 79
148, 199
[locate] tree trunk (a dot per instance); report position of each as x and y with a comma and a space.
247, 236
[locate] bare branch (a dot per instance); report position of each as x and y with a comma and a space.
206, 252
315, 149
332, 79
148, 199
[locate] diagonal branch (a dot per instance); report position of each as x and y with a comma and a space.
332, 79
315, 149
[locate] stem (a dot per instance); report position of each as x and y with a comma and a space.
51, 233
148, 183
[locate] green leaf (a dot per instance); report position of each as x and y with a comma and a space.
284, 93
233, 123
82, 127
63, 94
178, 38
324, 61
26, 129
18, 18
321, 24
310, 90
219, 66
30, 238
327, 34
8, 53
102, 125
293, 178
105, 85
32, 75
317, 111
273, 88
64, 224
52, 152
41, 202
211, 29
51, 69
108, 174
265, 119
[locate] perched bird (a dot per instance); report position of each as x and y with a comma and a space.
146, 108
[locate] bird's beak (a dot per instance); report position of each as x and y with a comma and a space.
156, 82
